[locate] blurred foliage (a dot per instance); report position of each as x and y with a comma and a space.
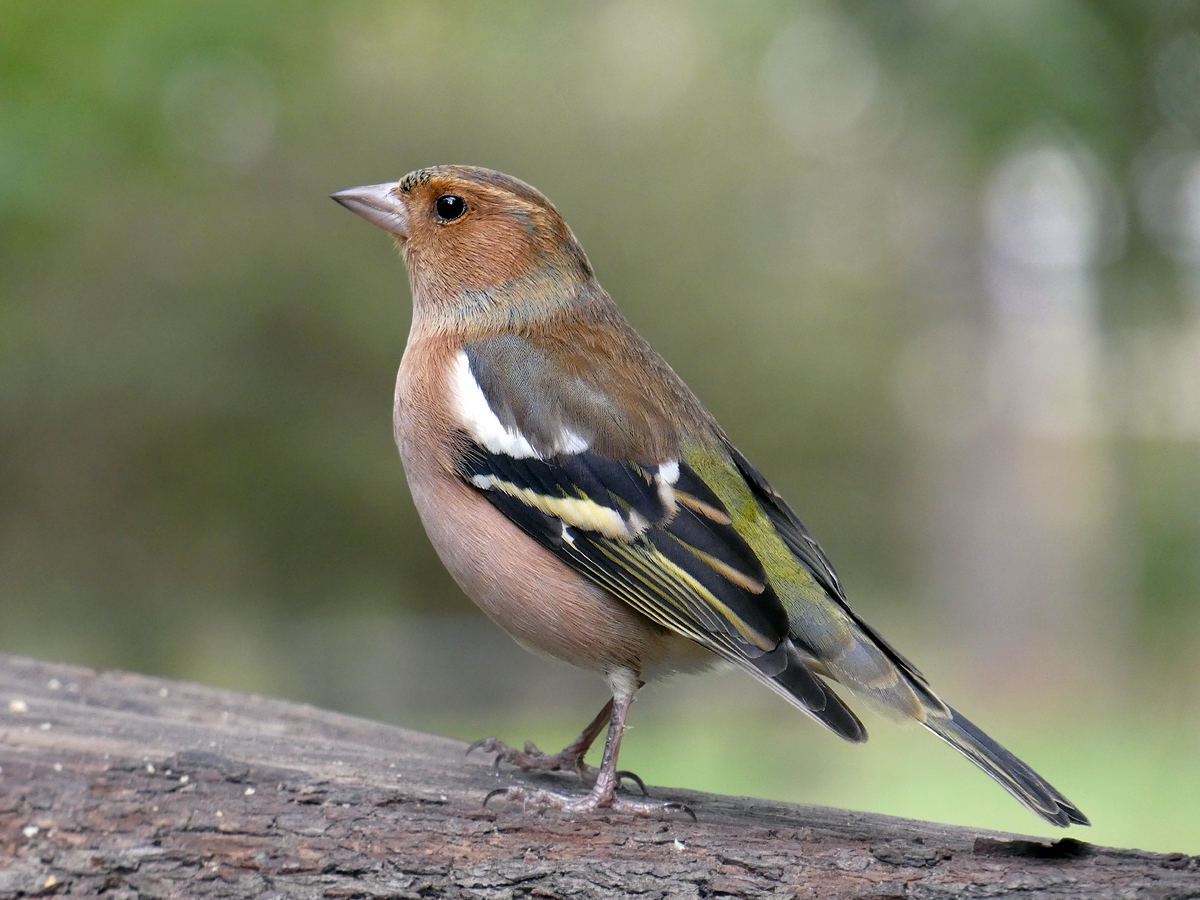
197, 347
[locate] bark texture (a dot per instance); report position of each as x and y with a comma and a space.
126, 787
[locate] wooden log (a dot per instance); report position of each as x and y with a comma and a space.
125, 786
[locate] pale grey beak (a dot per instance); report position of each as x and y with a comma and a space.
379, 205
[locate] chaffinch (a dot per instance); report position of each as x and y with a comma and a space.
584, 498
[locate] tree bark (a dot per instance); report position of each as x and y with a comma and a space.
126, 787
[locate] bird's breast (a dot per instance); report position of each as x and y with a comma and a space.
523, 587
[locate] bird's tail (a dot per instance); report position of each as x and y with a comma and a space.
1013, 775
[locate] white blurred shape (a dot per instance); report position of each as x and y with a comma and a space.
1041, 211
1155, 371
819, 76
1177, 81
1046, 356
647, 56
1023, 541
1188, 207
1044, 220
222, 110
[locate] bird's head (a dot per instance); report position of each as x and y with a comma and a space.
469, 233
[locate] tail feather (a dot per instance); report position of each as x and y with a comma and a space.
1013, 775
797, 680
800, 686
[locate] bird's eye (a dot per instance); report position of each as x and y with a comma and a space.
449, 207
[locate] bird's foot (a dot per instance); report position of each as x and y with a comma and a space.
531, 759
597, 799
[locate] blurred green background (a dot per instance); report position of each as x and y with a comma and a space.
934, 265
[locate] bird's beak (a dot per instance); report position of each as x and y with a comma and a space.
379, 205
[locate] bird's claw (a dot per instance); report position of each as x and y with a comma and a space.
625, 773
676, 806
494, 793
487, 744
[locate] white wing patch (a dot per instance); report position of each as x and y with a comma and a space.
665, 478
570, 442
476, 416
481, 423
668, 472
613, 519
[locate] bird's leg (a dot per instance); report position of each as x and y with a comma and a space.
603, 795
569, 759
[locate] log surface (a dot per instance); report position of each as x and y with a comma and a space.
125, 786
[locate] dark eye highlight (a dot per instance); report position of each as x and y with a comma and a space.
449, 207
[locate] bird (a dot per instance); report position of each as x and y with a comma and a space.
584, 498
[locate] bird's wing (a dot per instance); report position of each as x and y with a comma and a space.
652, 534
